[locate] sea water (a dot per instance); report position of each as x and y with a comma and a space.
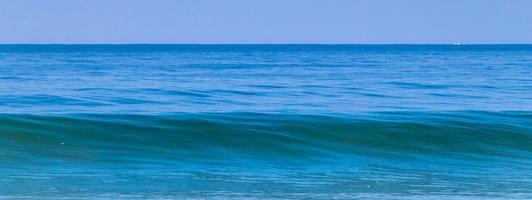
266, 121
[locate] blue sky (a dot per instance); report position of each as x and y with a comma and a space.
265, 21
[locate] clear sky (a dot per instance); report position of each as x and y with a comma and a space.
265, 21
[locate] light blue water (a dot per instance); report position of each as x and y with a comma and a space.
266, 121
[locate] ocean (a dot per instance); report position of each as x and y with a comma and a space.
265, 121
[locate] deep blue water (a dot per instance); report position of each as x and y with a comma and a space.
266, 121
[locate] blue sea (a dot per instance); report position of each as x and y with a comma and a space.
265, 121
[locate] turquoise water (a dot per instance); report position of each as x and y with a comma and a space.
266, 121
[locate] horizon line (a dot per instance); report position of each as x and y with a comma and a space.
452, 44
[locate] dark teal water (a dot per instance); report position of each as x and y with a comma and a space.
266, 121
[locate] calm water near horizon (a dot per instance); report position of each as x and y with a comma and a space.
266, 121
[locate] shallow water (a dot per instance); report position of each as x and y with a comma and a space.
266, 121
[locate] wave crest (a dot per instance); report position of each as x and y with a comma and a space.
239, 137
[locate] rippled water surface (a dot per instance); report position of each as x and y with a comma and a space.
293, 78
266, 121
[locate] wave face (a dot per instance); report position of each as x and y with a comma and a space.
265, 121
238, 155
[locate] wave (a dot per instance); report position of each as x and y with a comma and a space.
380, 155
269, 138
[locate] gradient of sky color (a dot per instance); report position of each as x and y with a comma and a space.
265, 21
